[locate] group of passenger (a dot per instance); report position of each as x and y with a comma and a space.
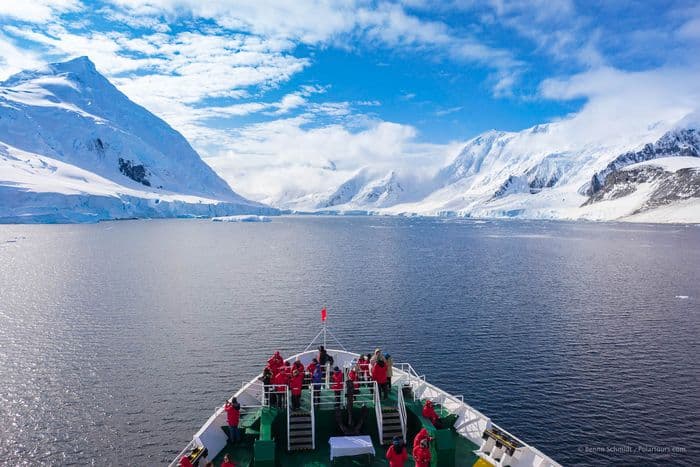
279, 375
397, 454
370, 367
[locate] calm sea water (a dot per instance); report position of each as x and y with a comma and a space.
118, 340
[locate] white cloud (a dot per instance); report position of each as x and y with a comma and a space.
37, 11
284, 158
451, 110
14, 59
621, 104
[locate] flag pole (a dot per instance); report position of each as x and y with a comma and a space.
324, 329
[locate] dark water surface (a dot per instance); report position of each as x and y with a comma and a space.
117, 340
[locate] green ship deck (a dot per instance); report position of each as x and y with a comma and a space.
254, 427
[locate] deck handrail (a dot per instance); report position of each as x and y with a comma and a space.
313, 416
327, 399
188, 448
289, 415
402, 412
378, 411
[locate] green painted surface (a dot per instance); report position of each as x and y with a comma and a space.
269, 447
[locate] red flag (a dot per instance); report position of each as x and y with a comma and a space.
324, 315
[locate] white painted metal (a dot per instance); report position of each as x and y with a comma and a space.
378, 411
402, 412
313, 416
289, 416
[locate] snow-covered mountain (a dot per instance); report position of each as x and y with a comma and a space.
549, 171
74, 148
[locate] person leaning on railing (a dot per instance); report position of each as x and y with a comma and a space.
430, 414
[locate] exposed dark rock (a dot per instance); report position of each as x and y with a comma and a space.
137, 172
673, 144
670, 186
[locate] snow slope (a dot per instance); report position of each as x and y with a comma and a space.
73, 148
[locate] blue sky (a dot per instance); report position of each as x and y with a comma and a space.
267, 88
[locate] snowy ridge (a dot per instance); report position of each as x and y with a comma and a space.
547, 172
67, 135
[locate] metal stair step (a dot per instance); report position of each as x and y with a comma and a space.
301, 440
301, 447
300, 426
297, 433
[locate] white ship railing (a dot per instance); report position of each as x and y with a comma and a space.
402, 412
313, 416
470, 422
289, 417
378, 411
190, 446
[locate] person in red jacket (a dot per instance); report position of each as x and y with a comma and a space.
354, 376
312, 366
379, 375
363, 366
280, 381
421, 453
297, 365
227, 462
337, 386
422, 434
233, 415
397, 454
185, 462
430, 414
275, 362
296, 383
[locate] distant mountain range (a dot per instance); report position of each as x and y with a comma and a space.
539, 173
73, 148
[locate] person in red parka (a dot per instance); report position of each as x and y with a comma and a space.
296, 383
354, 376
275, 362
422, 434
397, 454
337, 386
430, 414
379, 375
297, 365
363, 365
233, 415
421, 453
227, 462
312, 366
280, 381
185, 462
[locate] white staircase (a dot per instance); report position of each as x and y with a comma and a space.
301, 426
393, 419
